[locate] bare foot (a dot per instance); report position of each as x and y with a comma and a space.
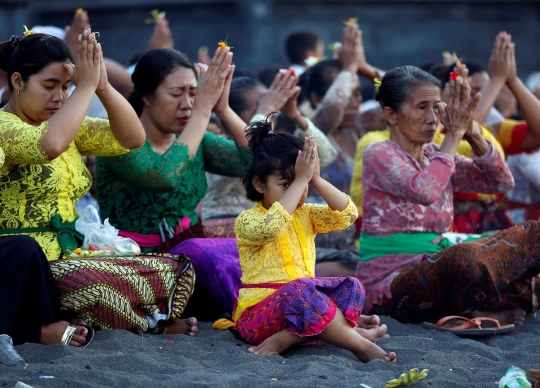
370, 352
78, 321
277, 344
52, 334
374, 333
369, 321
184, 326
506, 317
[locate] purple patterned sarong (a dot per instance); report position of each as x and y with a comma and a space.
217, 267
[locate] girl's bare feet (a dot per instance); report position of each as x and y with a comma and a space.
374, 333
369, 321
184, 326
506, 317
277, 344
52, 334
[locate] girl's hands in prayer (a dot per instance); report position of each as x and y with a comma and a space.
223, 103
317, 167
213, 79
305, 162
87, 72
458, 113
282, 89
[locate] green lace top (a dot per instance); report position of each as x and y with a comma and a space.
137, 190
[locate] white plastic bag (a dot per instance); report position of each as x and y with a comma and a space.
103, 237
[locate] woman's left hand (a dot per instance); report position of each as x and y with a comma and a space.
290, 109
103, 84
459, 111
223, 103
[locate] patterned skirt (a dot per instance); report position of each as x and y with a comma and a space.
304, 307
119, 293
493, 273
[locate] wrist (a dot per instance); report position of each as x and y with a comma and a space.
104, 90
264, 110
223, 111
513, 82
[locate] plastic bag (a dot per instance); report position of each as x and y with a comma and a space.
102, 239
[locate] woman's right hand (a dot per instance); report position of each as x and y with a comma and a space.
282, 89
213, 79
351, 51
457, 116
86, 72
501, 63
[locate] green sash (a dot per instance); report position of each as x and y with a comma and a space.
66, 233
372, 246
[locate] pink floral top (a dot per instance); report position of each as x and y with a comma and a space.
401, 196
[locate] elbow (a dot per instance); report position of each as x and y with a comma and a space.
136, 141
53, 151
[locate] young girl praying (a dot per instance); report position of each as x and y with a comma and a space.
282, 303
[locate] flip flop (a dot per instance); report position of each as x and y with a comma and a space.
471, 327
70, 331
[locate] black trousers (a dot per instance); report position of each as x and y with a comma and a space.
28, 294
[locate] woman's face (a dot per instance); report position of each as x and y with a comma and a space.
43, 93
418, 118
251, 99
170, 106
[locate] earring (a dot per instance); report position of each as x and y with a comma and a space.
18, 91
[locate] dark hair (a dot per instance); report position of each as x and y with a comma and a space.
30, 54
298, 44
317, 79
151, 70
399, 83
272, 152
442, 72
237, 95
267, 75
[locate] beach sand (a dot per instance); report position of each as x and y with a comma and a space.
216, 358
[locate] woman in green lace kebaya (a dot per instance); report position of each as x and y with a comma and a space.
165, 178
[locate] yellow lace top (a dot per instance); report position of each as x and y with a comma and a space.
464, 149
276, 247
32, 189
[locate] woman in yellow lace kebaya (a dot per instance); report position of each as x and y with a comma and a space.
281, 302
44, 134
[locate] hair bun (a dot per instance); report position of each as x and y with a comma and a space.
15, 40
259, 130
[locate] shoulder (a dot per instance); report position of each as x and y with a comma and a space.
373, 137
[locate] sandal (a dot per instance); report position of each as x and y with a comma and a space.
71, 329
475, 327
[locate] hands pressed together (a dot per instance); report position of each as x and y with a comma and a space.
307, 168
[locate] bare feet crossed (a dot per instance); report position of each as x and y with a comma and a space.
369, 327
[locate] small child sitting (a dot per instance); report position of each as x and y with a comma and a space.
281, 302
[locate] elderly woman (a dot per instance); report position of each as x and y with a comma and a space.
408, 186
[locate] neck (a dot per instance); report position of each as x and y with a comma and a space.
159, 140
413, 149
14, 108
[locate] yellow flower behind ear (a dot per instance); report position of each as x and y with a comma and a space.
377, 82
29, 32
79, 10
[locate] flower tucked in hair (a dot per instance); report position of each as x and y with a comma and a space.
155, 15
223, 43
454, 75
377, 82
29, 32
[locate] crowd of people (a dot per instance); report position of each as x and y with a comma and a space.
418, 203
